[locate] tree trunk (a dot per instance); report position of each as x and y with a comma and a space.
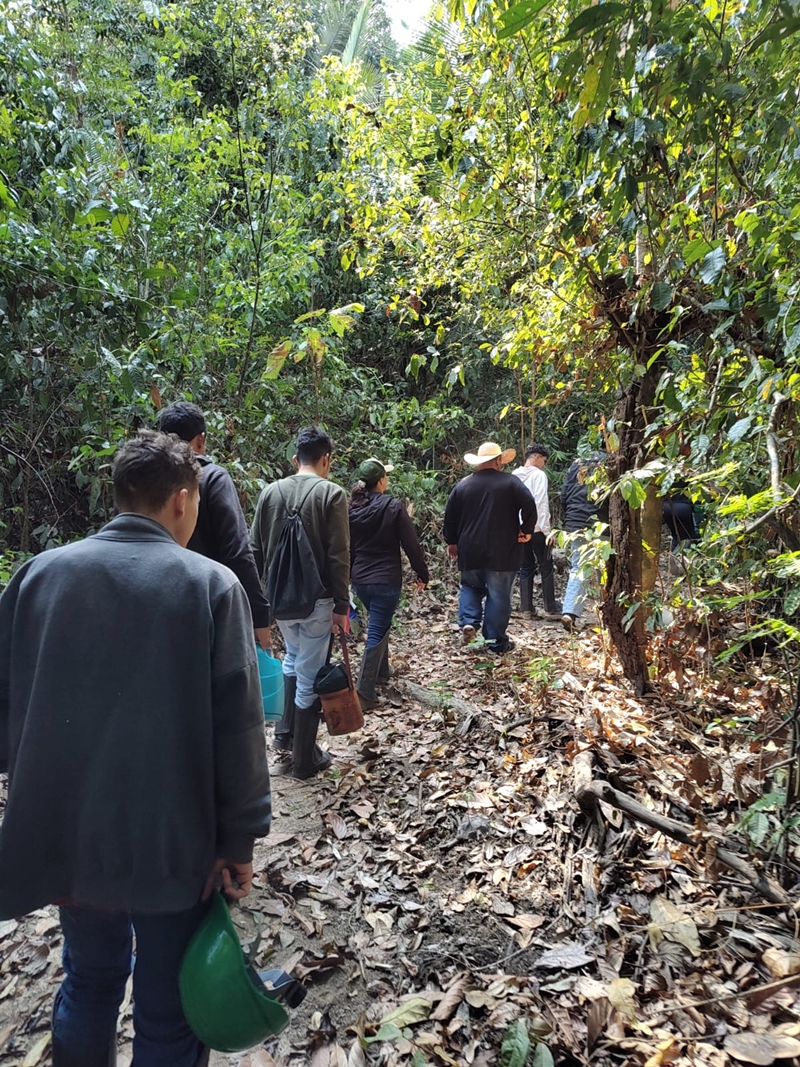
625, 582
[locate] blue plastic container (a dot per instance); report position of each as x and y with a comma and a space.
271, 674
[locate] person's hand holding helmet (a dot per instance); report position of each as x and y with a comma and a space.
234, 879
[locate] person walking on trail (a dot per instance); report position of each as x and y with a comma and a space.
221, 532
489, 516
379, 527
537, 551
579, 513
322, 507
132, 731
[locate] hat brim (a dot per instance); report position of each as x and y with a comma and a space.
476, 461
388, 467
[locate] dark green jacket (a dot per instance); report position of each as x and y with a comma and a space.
131, 724
326, 521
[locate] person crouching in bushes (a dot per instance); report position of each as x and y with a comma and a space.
379, 527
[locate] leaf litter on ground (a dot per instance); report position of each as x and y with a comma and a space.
447, 901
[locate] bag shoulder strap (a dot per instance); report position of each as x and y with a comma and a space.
291, 514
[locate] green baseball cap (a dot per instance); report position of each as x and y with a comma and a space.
372, 470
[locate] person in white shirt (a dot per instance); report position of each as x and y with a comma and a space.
537, 551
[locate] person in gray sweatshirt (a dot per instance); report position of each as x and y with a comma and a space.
132, 732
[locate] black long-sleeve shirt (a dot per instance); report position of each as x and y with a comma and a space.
484, 515
221, 534
378, 529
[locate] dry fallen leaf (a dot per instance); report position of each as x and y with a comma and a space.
622, 994
781, 963
673, 924
567, 957
36, 1052
761, 1048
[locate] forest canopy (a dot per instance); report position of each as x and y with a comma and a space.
553, 220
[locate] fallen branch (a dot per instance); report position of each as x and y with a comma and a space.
761, 992
597, 791
440, 699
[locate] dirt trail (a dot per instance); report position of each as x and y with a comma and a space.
443, 883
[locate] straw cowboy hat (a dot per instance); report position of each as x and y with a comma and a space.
489, 450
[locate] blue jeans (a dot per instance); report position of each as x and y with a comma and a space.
97, 961
381, 602
307, 642
575, 592
495, 587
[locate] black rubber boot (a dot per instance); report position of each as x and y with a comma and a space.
385, 672
551, 605
308, 758
205, 1056
368, 675
526, 597
284, 727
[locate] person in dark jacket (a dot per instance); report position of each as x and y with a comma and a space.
579, 512
221, 532
680, 517
488, 517
132, 731
379, 527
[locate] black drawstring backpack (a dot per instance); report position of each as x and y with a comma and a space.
294, 584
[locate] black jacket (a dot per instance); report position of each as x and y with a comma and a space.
485, 512
378, 529
131, 724
221, 534
579, 510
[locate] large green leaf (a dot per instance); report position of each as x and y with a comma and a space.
519, 16
516, 1045
593, 18
712, 265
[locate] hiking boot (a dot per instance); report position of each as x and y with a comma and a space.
500, 649
283, 738
569, 622
554, 611
468, 634
308, 758
528, 616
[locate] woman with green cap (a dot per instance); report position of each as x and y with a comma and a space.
379, 527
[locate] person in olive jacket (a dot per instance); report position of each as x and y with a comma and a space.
132, 732
379, 527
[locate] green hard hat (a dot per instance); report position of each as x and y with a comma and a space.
225, 1003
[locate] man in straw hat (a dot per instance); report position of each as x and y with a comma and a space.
488, 517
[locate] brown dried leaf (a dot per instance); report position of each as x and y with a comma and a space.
761, 1048
673, 924
452, 998
566, 957
781, 963
527, 921
35, 1054
337, 824
622, 994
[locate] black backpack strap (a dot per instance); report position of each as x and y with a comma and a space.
289, 514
